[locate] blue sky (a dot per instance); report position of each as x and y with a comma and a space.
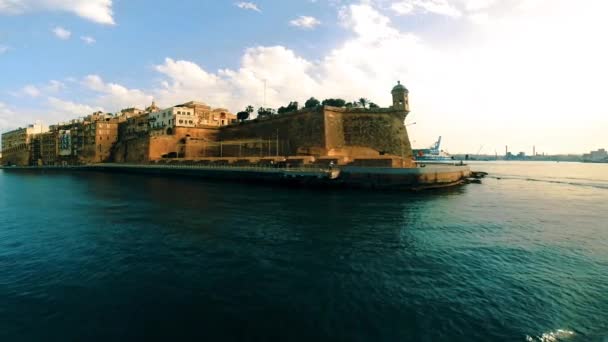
210, 33
481, 72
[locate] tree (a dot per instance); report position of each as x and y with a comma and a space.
373, 105
363, 102
312, 103
265, 112
334, 103
242, 116
249, 109
292, 107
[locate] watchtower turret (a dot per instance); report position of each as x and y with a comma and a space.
401, 98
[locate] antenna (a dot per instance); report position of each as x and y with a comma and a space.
265, 93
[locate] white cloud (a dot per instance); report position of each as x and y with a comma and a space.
62, 33
55, 86
115, 96
305, 22
441, 7
476, 5
6, 117
3, 49
31, 90
71, 109
403, 7
88, 40
286, 75
248, 6
99, 11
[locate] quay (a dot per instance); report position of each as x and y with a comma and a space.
372, 178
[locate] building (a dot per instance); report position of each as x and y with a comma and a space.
206, 116
17, 145
129, 113
599, 156
134, 127
49, 148
165, 121
99, 138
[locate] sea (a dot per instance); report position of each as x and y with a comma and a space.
117, 257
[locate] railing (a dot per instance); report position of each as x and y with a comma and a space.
265, 168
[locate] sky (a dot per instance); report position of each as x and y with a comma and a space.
481, 73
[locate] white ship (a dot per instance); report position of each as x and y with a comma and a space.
433, 155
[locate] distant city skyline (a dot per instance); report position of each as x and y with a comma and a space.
482, 73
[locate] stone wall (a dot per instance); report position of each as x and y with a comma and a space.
298, 133
366, 133
18, 157
147, 148
331, 131
132, 151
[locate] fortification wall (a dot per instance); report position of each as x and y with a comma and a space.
301, 133
331, 131
184, 141
132, 151
366, 133
19, 157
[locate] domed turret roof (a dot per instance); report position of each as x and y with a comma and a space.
400, 88
152, 108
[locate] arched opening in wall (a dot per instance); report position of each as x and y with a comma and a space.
169, 131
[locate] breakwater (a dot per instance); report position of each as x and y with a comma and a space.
343, 177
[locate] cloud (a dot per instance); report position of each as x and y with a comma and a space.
286, 75
115, 96
3, 49
6, 117
55, 86
88, 40
30, 90
403, 7
305, 22
99, 11
440, 7
34, 91
248, 6
71, 109
62, 33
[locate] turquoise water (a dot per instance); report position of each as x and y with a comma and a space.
98, 257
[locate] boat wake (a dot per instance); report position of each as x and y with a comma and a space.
552, 336
592, 183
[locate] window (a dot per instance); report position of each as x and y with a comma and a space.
190, 122
181, 121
